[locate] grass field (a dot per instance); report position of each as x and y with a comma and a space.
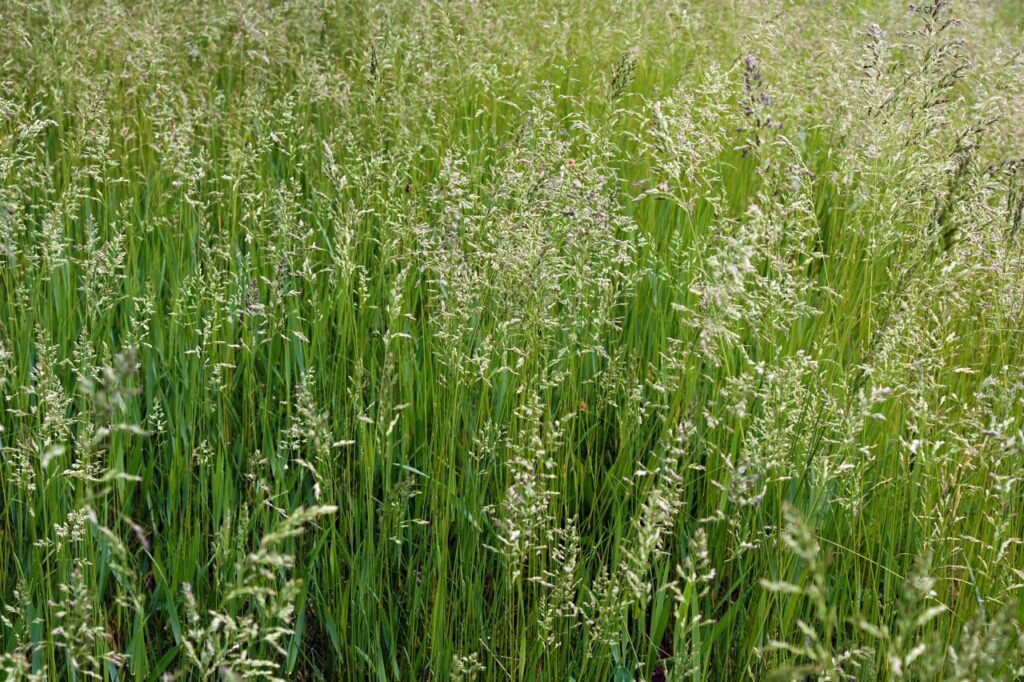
511, 340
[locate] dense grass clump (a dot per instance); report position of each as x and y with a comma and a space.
504, 339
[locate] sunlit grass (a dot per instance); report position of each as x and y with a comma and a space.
511, 340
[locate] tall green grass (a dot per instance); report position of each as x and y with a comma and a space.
511, 340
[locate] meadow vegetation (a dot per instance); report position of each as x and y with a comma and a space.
511, 339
